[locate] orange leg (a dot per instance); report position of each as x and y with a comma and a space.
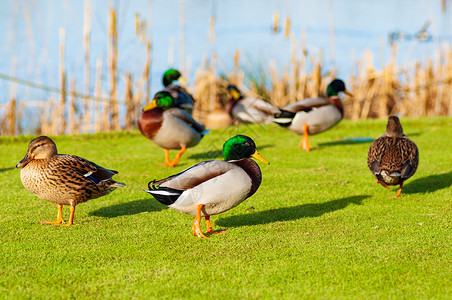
59, 217
399, 193
178, 155
209, 226
167, 161
304, 143
71, 218
382, 183
196, 223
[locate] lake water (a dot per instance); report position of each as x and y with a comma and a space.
30, 34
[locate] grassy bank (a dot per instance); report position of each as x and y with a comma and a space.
319, 226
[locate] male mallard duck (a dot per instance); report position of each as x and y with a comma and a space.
214, 186
393, 158
182, 98
63, 179
169, 127
314, 115
249, 109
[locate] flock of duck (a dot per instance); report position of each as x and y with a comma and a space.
214, 186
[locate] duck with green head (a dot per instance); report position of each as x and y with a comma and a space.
393, 158
169, 127
246, 109
314, 115
62, 178
214, 186
181, 97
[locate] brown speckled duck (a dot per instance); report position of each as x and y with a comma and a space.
169, 127
214, 186
314, 115
63, 179
393, 158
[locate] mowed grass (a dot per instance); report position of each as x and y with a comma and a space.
318, 226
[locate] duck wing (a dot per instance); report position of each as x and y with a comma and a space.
187, 118
88, 169
306, 104
410, 154
167, 190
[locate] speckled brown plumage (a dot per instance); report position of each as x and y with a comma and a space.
393, 158
63, 179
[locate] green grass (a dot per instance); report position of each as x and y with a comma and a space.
318, 226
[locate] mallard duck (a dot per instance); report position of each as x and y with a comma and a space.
393, 158
182, 98
169, 127
248, 109
214, 186
314, 115
63, 179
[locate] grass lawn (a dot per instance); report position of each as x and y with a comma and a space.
318, 226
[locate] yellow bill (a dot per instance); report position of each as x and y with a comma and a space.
257, 156
348, 93
151, 105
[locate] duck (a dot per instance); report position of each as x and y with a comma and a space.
249, 110
181, 97
169, 127
63, 179
214, 186
314, 115
393, 157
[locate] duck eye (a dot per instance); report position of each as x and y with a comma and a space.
247, 144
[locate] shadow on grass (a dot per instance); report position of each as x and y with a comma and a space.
290, 213
7, 169
348, 141
128, 208
215, 154
428, 184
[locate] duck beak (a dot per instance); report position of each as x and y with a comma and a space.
151, 105
348, 93
235, 95
257, 156
24, 161
183, 81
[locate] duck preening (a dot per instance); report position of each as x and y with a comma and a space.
214, 186
393, 158
63, 179
169, 127
246, 109
314, 115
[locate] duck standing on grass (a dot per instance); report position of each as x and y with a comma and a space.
63, 179
169, 127
314, 115
214, 186
393, 158
248, 109
182, 98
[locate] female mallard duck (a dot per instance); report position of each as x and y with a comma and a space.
214, 186
63, 179
169, 127
393, 158
182, 98
249, 109
314, 115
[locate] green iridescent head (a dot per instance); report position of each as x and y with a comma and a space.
239, 147
169, 76
335, 87
162, 99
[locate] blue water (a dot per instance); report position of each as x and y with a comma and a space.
30, 44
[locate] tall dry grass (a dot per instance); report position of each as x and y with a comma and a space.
420, 89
